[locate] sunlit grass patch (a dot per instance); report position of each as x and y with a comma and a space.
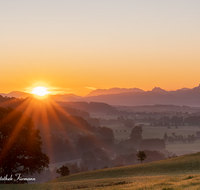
164, 182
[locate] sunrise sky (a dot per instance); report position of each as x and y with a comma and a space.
74, 46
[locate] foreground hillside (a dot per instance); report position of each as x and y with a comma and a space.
175, 173
180, 165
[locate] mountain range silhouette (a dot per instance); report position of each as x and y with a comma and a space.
130, 97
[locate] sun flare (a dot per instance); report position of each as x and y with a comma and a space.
40, 91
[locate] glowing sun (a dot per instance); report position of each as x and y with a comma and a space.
40, 91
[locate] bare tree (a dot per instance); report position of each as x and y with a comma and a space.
141, 155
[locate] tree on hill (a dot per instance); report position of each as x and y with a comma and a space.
136, 136
141, 156
63, 171
20, 145
105, 132
165, 137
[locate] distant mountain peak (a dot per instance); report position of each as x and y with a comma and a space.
184, 89
16, 94
114, 90
159, 90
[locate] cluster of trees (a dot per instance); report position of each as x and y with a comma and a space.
67, 169
63, 171
155, 119
20, 146
135, 141
96, 159
179, 138
121, 160
127, 122
10, 102
71, 144
97, 155
100, 150
177, 120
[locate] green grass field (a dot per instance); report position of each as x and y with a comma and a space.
175, 173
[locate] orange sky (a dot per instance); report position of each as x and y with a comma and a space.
74, 46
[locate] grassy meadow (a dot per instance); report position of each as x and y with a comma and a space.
177, 182
171, 174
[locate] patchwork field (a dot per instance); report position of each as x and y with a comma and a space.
152, 131
121, 132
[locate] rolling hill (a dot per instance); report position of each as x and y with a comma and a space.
171, 174
186, 164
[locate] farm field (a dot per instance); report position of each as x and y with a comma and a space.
159, 131
152, 131
184, 148
179, 148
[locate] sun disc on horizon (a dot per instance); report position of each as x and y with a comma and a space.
40, 91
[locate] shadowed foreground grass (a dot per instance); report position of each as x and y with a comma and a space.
176, 173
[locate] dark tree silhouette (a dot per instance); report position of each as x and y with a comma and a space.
136, 136
105, 132
141, 155
20, 144
165, 137
63, 171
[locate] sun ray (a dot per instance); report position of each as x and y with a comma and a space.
54, 114
23, 119
46, 130
9, 102
42, 112
74, 121
12, 114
